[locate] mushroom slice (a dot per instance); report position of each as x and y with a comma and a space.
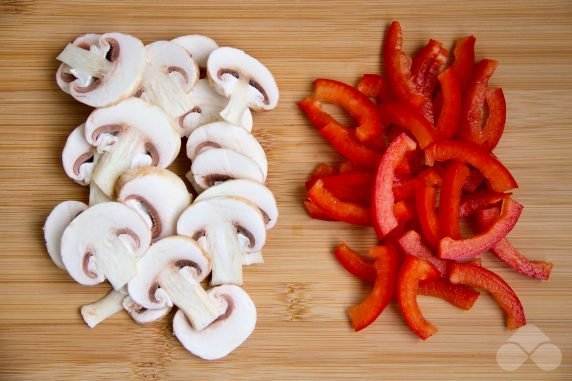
78, 156
170, 274
205, 105
66, 75
142, 315
157, 194
236, 322
116, 61
198, 47
57, 221
244, 80
225, 227
131, 133
109, 305
168, 77
226, 135
104, 242
217, 165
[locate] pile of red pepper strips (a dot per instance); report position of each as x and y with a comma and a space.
420, 160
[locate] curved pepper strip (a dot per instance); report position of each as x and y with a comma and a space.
315, 212
408, 118
357, 195
450, 110
372, 85
322, 170
345, 143
476, 201
467, 248
313, 110
398, 68
455, 294
479, 277
464, 62
499, 178
426, 213
365, 313
383, 200
411, 244
413, 270
363, 110
407, 188
494, 127
335, 208
454, 178
359, 265
507, 253
474, 181
347, 167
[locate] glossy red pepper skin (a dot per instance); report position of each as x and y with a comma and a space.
383, 199
479, 277
410, 119
473, 202
347, 145
372, 85
455, 294
359, 265
474, 181
411, 244
464, 62
348, 167
471, 247
496, 120
507, 253
351, 213
313, 110
413, 270
449, 115
455, 176
398, 68
426, 213
365, 313
499, 178
322, 170
315, 212
355, 187
406, 189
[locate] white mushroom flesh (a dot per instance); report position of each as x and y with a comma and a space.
199, 47
142, 315
78, 156
65, 75
109, 305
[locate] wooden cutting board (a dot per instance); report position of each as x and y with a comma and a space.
301, 292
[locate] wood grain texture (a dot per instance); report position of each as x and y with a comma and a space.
301, 293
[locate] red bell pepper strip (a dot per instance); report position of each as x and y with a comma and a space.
476, 201
313, 110
383, 200
411, 244
458, 295
398, 68
449, 115
467, 248
357, 195
403, 212
507, 253
499, 178
407, 188
347, 167
386, 265
408, 118
496, 120
359, 265
479, 277
372, 85
335, 208
426, 213
322, 170
315, 212
455, 177
464, 54
413, 270
355, 103
353, 179
473, 105
474, 181
346, 144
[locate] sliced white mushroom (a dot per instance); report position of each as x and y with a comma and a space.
57, 221
104, 242
170, 274
109, 305
65, 74
142, 315
217, 165
236, 322
131, 133
226, 135
78, 156
199, 47
205, 106
226, 228
157, 194
169, 75
244, 80
116, 61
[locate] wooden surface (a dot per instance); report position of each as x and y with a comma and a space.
301, 293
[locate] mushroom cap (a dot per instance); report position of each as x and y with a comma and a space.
199, 47
57, 221
227, 65
77, 156
244, 215
127, 56
174, 252
226, 135
157, 194
206, 104
142, 315
235, 324
252, 191
160, 139
94, 227
216, 165
63, 76
175, 61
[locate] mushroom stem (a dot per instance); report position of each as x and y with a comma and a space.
163, 91
84, 61
116, 161
252, 258
237, 104
189, 296
96, 195
116, 261
109, 305
142, 315
225, 252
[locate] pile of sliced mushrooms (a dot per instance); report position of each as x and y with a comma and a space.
142, 231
